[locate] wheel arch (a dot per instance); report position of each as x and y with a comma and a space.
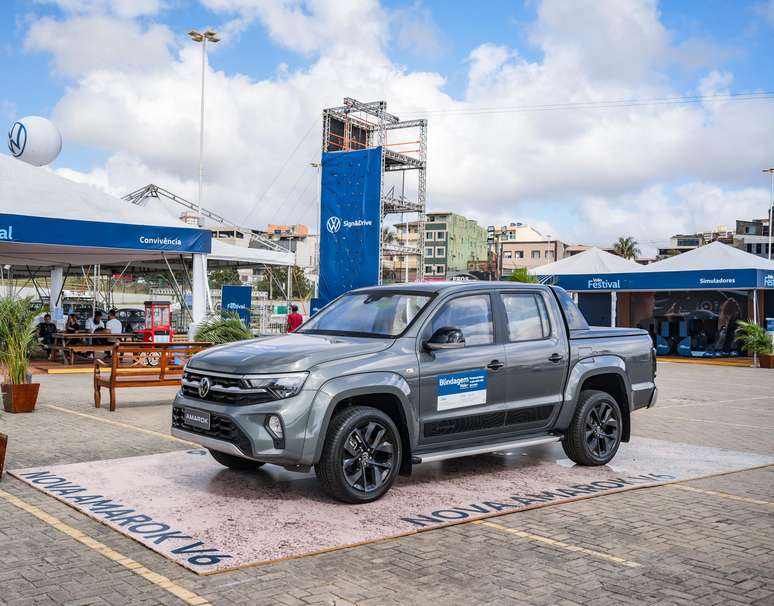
386, 391
602, 373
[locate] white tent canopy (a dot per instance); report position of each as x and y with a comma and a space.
591, 261
715, 255
221, 251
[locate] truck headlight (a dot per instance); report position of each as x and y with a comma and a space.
279, 386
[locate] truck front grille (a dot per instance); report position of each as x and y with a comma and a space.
223, 390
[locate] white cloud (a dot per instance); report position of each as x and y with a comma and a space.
84, 44
126, 9
609, 172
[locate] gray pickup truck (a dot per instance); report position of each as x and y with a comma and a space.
389, 377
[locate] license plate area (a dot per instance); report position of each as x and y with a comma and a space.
199, 419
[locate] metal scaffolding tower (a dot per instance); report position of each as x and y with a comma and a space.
355, 126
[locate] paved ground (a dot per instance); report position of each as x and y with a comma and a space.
707, 541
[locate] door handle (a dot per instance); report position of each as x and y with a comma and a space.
556, 358
495, 365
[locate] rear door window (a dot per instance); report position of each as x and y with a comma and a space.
527, 317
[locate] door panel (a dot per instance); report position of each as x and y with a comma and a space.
463, 382
536, 352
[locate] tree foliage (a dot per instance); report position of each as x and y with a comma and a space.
627, 248
522, 275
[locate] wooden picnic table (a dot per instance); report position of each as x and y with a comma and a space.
71, 342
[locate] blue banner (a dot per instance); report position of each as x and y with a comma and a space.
237, 299
707, 279
98, 234
350, 221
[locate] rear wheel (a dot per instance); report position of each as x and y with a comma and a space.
594, 435
361, 455
232, 462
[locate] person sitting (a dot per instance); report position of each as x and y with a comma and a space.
46, 332
113, 326
98, 326
295, 319
72, 325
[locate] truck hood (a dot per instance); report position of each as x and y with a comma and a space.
283, 353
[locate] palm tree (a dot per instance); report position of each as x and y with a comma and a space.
627, 248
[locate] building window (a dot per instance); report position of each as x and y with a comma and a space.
429, 270
440, 270
507, 254
428, 251
535, 254
758, 249
749, 248
518, 254
549, 253
440, 251
429, 236
440, 236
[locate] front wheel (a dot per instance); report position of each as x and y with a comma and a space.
232, 462
361, 455
594, 435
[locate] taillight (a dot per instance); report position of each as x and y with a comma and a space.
653, 360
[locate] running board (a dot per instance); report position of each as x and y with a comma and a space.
476, 450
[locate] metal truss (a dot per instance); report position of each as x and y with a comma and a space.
362, 125
140, 198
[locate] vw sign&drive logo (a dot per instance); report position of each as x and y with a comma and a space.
333, 224
17, 139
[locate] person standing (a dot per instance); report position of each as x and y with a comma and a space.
295, 319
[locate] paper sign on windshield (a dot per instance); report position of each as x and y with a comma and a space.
462, 389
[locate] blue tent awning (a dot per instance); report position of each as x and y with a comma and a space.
707, 279
24, 229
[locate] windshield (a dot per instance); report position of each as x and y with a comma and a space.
374, 314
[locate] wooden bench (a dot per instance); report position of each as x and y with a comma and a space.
141, 365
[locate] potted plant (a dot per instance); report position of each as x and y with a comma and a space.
754, 341
18, 340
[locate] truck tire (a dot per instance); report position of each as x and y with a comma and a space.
594, 434
236, 463
361, 455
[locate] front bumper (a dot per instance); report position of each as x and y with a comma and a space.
240, 430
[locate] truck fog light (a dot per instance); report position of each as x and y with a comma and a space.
274, 425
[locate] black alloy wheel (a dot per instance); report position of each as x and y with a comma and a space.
595, 432
369, 457
602, 429
361, 455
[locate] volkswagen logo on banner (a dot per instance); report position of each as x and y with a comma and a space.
333, 224
17, 139
204, 387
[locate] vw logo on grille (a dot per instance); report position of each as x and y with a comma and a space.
204, 387
17, 139
333, 224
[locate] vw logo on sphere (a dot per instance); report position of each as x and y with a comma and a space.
204, 387
17, 139
333, 224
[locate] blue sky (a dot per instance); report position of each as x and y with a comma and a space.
733, 40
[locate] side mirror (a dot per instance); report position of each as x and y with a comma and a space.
446, 337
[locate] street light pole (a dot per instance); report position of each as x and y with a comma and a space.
771, 204
203, 38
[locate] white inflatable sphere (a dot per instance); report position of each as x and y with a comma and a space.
35, 140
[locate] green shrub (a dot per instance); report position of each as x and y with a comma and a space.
223, 329
752, 338
18, 337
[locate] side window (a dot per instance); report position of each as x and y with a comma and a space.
573, 315
472, 315
527, 317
